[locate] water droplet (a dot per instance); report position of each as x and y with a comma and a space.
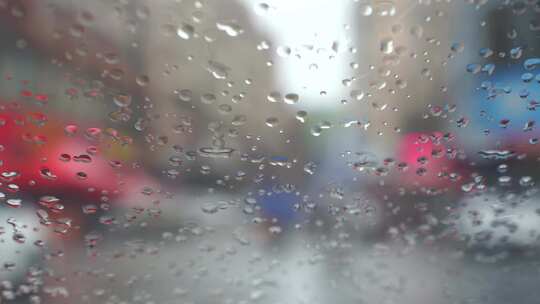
208, 98
474, 68
212, 152
485, 52
47, 174
316, 131
301, 116
516, 52
497, 154
284, 51
274, 97
504, 180
384, 8
218, 70
531, 63
310, 168
19, 237
366, 9
185, 31
185, 95
291, 98
122, 100
14, 202
71, 129
89, 209
387, 46
231, 28
83, 158
357, 94
262, 8
9, 176
457, 47
239, 120
210, 208
142, 80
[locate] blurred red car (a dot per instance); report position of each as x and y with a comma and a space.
425, 160
66, 170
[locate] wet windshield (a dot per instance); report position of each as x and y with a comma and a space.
272, 152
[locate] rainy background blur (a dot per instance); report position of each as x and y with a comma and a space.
307, 151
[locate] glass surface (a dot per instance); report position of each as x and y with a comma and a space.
272, 152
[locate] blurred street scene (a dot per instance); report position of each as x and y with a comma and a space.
276, 151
